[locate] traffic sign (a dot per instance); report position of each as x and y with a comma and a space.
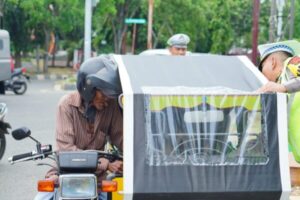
135, 21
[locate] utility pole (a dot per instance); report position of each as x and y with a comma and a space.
150, 17
255, 29
87, 29
280, 5
292, 19
272, 21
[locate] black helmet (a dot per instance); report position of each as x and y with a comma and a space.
97, 73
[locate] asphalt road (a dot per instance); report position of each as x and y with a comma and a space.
36, 110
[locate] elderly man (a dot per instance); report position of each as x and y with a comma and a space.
89, 116
177, 44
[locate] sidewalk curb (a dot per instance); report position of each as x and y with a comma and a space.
65, 86
42, 77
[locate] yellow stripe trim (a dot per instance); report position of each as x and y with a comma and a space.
250, 102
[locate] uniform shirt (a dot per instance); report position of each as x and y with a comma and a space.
74, 132
292, 67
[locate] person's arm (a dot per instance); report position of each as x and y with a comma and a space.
293, 85
65, 136
116, 128
116, 137
272, 87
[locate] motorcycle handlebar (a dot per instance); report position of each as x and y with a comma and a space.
20, 156
33, 155
109, 156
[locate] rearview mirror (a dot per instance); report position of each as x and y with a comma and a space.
21, 133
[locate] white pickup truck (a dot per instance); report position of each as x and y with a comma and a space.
5, 60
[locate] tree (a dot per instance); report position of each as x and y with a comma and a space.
110, 18
15, 23
42, 21
2, 3
70, 25
177, 16
297, 18
50, 16
213, 26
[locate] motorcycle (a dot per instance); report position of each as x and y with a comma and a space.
3, 128
77, 178
18, 81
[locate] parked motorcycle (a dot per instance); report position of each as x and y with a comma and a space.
18, 81
3, 128
77, 178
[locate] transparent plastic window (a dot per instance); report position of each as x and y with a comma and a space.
207, 129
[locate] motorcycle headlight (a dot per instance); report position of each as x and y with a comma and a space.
83, 186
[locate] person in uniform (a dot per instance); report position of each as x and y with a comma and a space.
281, 67
177, 44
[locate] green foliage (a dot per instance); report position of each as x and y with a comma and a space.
179, 16
110, 25
213, 26
297, 19
15, 22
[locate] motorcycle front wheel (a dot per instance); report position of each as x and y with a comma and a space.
20, 89
2, 145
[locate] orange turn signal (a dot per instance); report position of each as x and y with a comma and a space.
46, 186
109, 186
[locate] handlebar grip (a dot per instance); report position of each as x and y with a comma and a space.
21, 156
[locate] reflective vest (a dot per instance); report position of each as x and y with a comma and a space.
290, 68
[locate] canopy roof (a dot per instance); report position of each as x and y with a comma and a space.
235, 72
195, 129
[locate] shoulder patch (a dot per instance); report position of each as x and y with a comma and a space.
295, 60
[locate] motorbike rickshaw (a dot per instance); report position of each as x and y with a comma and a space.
194, 129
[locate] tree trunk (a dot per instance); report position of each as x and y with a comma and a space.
118, 25
292, 19
46, 57
69, 57
53, 55
272, 21
18, 59
124, 50
37, 58
53, 51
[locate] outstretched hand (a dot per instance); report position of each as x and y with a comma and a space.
272, 87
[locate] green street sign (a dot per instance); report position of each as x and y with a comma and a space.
135, 21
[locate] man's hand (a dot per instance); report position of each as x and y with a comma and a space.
272, 87
54, 177
116, 167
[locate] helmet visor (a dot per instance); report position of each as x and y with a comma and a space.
108, 89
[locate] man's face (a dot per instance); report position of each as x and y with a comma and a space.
100, 101
177, 51
269, 69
